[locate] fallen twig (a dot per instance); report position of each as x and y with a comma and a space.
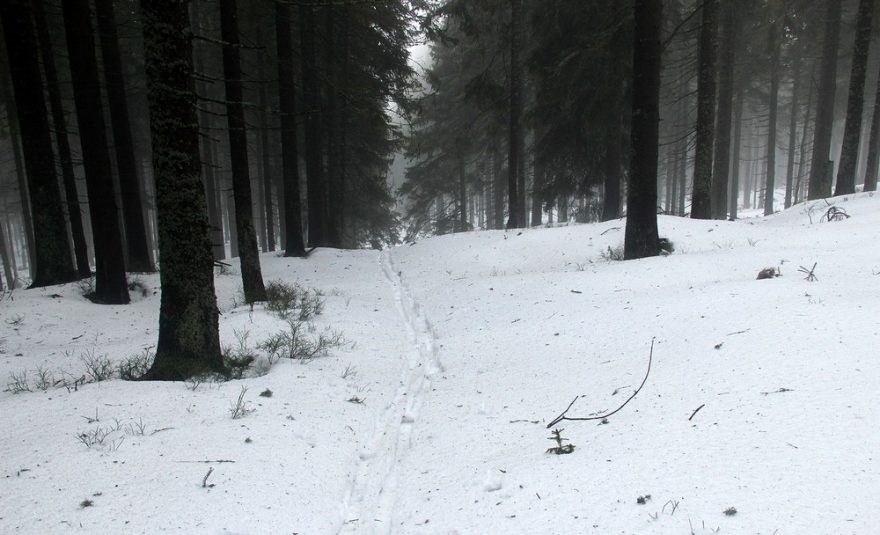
608, 230
780, 391
213, 461
563, 416
696, 411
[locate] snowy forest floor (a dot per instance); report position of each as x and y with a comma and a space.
459, 350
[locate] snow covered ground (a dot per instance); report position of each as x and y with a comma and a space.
460, 349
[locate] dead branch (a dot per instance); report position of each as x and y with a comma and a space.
563, 416
696, 411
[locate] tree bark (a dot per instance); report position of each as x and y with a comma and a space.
266, 166
849, 151
792, 127
189, 340
51, 260
733, 194
701, 202
874, 144
8, 272
497, 190
315, 177
139, 256
721, 172
515, 177
74, 212
294, 245
820, 183
20, 173
249, 255
770, 183
641, 220
110, 284
613, 166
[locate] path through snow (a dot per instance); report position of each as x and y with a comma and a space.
370, 500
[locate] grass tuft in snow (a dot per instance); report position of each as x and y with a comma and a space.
286, 300
98, 367
240, 407
135, 366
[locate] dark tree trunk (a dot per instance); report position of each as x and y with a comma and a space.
792, 128
721, 172
189, 340
820, 180
315, 179
537, 199
294, 245
770, 184
110, 284
701, 202
515, 182
799, 183
8, 272
266, 166
462, 195
849, 152
613, 166
52, 262
874, 144
249, 255
497, 190
74, 212
733, 194
335, 80
139, 255
641, 219
20, 173
215, 217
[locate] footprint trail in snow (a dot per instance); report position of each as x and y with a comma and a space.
371, 497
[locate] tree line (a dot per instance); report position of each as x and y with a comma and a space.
196, 130
534, 105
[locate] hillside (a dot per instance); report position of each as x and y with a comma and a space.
431, 416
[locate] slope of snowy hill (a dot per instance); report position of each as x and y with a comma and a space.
458, 350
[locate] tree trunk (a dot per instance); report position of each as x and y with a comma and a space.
497, 190
52, 262
820, 183
515, 177
139, 255
799, 184
189, 340
641, 219
315, 178
294, 245
770, 184
74, 212
266, 165
537, 199
733, 194
8, 272
701, 202
874, 144
792, 128
249, 255
613, 166
849, 151
20, 173
110, 284
721, 171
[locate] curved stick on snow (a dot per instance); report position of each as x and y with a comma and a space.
563, 416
